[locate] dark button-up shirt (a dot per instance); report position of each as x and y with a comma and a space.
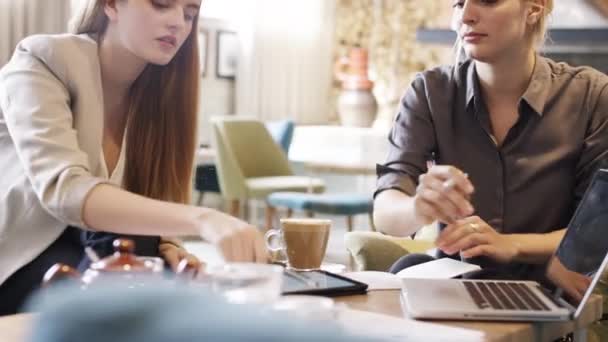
534, 180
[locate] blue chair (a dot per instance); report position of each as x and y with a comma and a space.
205, 179
347, 205
282, 133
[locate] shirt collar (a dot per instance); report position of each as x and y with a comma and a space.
535, 95
540, 85
472, 85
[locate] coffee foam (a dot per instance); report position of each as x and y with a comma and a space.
305, 226
306, 222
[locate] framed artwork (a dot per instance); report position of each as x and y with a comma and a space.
227, 54
203, 48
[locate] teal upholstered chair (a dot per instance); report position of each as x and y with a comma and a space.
347, 205
206, 180
282, 133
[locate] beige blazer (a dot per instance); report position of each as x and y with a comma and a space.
51, 126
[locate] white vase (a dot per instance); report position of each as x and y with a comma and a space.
357, 107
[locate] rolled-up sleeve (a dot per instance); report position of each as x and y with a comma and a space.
595, 146
36, 109
411, 142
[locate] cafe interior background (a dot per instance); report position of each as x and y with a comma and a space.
336, 69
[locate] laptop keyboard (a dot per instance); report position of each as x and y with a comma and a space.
504, 296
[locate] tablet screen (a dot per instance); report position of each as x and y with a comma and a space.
319, 282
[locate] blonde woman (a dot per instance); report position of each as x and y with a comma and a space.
516, 138
97, 131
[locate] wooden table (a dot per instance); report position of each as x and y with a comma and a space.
337, 149
388, 303
333, 149
343, 168
15, 328
207, 155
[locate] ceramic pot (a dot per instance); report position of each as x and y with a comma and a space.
357, 105
123, 265
357, 108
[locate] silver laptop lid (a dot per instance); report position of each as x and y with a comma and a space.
582, 255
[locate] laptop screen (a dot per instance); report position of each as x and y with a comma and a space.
580, 258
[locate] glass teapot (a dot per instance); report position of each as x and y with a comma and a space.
123, 266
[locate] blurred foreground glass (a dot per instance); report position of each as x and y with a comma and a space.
313, 308
246, 283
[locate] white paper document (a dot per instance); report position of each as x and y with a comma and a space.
376, 280
444, 268
389, 328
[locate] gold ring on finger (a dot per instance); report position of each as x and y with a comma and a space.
448, 184
473, 228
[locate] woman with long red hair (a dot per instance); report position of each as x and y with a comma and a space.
98, 134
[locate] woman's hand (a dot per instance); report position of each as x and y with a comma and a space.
473, 237
573, 283
443, 194
238, 241
173, 254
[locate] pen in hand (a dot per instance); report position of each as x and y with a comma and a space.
447, 184
432, 161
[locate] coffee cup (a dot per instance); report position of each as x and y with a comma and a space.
302, 240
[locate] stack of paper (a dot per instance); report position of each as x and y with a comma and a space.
444, 268
376, 280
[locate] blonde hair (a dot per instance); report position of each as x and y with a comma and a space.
162, 115
539, 31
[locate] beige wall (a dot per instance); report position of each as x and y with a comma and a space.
217, 94
21, 18
386, 27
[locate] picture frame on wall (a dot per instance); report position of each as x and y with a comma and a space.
227, 54
203, 50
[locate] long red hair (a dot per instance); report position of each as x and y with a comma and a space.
162, 116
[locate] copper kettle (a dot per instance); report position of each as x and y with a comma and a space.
123, 265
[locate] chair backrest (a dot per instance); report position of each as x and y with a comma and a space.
230, 177
245, 149
282, 133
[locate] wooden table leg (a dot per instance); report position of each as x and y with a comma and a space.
235, 208
349, 223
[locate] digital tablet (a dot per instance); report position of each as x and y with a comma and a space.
321, 283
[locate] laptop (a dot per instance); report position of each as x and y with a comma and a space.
581, 258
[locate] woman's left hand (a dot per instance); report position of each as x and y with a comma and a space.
173, 254
473, 237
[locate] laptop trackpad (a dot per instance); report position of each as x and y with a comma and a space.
442, 296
